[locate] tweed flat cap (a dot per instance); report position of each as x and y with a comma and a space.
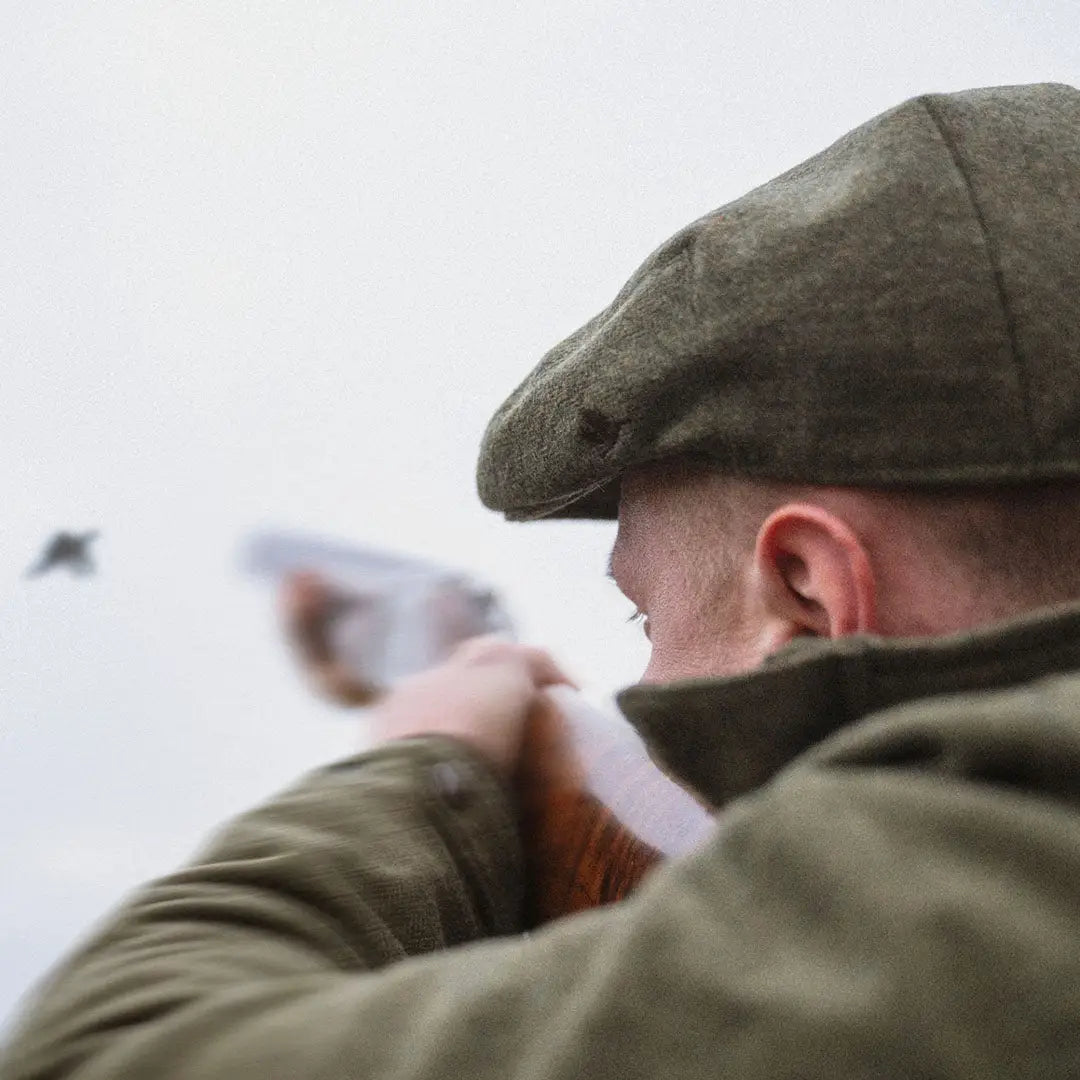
901, 309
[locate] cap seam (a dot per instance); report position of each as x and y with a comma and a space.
1022, 376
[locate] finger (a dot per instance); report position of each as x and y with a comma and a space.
483, 649
538, 663
545, 671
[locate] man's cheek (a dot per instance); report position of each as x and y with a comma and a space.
660, 667
671, 660
651, 672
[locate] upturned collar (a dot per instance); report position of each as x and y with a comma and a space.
725, 737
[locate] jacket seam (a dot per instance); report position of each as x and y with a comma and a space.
478, 872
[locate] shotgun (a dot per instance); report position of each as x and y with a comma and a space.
597, 813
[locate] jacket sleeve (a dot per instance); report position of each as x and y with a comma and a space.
857, 917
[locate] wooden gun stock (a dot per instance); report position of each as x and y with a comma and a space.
597, 813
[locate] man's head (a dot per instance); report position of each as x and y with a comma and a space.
725, 572
873, 362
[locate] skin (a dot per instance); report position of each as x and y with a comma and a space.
482, 694
723, 574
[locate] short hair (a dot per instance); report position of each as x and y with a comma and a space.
1021, 542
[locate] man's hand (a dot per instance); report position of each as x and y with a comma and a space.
482, 695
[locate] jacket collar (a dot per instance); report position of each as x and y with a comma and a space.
725, 737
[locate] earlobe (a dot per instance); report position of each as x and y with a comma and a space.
814, 573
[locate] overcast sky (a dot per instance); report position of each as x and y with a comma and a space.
275, 264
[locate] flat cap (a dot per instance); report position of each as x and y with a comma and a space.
903, 309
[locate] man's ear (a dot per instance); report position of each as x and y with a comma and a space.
813, 573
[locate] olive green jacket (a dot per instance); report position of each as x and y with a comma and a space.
892, 891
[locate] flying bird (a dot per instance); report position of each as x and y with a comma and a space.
65, 549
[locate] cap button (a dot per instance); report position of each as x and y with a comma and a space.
598, 430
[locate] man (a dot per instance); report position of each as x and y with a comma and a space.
839, 421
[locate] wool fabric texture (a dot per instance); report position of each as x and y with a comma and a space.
903, 309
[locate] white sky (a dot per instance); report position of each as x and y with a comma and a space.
276, 264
